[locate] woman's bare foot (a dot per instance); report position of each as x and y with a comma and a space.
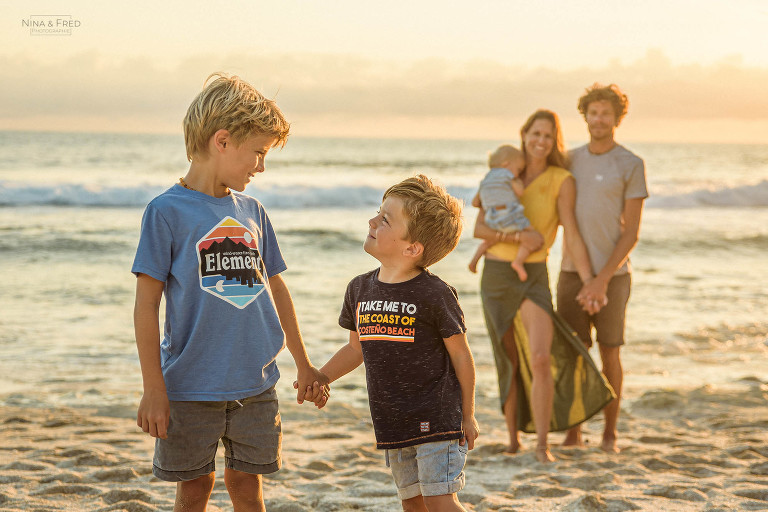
521, 273
544, 456
609, 445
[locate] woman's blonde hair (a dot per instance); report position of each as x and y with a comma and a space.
558, 156
230, 103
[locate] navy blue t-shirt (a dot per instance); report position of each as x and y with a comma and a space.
413, 391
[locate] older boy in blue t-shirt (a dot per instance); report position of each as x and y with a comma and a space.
407, 326
213, 253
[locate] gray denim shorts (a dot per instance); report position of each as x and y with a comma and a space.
249, 429
429, 469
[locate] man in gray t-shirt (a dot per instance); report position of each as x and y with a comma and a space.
611, 188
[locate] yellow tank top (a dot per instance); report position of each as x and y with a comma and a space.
540, 203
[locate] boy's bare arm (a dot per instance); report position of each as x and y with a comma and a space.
346, 359
154, 410
307, 374
464, 366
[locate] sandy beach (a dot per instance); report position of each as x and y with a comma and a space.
705, 449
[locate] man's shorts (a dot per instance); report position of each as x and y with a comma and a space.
608, 322
429, 469
249, 429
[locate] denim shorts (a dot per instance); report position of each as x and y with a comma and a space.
429, 469
249, 428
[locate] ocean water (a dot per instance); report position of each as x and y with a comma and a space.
71, 205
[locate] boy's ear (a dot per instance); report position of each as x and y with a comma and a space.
221, 139
414, 250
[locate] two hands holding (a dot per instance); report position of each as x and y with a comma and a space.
592, 296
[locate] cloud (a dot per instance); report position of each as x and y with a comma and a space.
339, 93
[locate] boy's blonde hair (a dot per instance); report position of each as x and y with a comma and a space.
505, 153
433, 217
230, 103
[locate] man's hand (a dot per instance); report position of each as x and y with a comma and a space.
154, 413
592, 295
471, 432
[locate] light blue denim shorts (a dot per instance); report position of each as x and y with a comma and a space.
429, 469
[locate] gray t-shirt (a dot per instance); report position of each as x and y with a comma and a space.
603, 183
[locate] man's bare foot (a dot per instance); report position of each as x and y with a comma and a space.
573, 438
513, 448
609, 445
544, 456
521, 273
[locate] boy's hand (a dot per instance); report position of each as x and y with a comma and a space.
306, 379
471, 432
154, 413
316, 393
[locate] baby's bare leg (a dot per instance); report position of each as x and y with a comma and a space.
522, 255
481, 250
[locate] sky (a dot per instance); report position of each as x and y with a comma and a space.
694, 71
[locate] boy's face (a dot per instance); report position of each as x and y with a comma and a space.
241, 163
601, 119
386, 238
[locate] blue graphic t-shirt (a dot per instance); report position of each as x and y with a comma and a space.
215, 255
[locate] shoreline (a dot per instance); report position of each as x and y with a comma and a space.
701, 449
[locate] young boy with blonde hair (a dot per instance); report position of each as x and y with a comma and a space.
499, 195
406, 324
212, 252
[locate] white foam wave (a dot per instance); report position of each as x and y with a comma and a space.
742, 196
318, 197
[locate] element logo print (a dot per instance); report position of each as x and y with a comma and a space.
231, 267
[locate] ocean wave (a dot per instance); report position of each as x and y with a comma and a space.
755, 195
319, 196
278, 197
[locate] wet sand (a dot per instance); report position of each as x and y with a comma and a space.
703, 449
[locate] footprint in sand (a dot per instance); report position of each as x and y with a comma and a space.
759, 469
67, 489
676, 492
592, 482
126, 495
753, 494
114, 475
321, 466
26, 466
64, 477
131, 506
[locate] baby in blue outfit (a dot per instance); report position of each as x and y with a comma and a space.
499, 195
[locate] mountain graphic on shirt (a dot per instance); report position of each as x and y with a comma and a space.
231, 267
